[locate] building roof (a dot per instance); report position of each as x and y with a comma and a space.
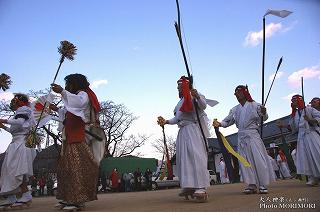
271, 134
46, 159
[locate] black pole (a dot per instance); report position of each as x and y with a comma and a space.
226, 156
263, 58
54, 79
55, 76
286, 150
169, 164
302, 91
274, 77
304, 104
262, 71
177, 26
178, 30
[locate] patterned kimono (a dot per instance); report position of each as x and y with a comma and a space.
250, 145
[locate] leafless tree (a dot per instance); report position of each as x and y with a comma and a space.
116, 119
6, 112
171, 144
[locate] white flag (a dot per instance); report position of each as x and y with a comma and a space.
279, 13
211, 102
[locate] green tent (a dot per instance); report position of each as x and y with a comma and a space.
129, 164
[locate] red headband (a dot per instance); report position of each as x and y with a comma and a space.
21, 103
245, 91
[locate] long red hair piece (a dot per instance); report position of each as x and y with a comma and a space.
187, 103
300, 104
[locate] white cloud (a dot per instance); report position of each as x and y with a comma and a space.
290, 27
6, 96
254, 38
97, 83
307, 73
279, 75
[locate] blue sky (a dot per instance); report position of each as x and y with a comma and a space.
130, 51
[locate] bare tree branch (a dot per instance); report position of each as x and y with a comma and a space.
159, 146
116, 120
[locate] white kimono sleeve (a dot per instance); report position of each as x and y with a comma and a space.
202, 103
17, 122
75, 103
229, 120
315, 114
175, 119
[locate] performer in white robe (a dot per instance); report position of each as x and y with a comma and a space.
191, 155
223, 172
315, 103
247, 116
284, 168
275, 166
17, 165
305, 121
294, 156
78, 168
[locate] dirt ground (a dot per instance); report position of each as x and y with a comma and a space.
284, 195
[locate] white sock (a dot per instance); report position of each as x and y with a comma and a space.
200, 191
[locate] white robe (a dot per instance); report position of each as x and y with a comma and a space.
223, 173
191, 152
308, 144
273, 163
79, 105
294, 156
250, 145
284, 168
17, 165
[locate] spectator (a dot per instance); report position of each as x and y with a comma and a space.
126, 179
274, 165
223, 172
42, 183
33, 182
148, 177
282, 161
50, 184
114, 180
137, 179
103, 180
